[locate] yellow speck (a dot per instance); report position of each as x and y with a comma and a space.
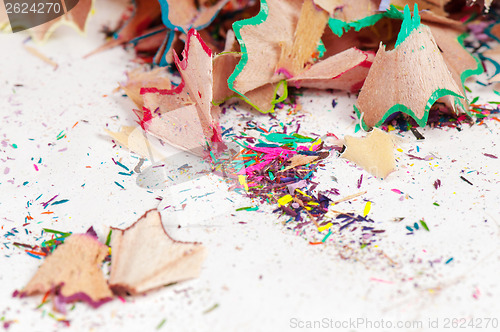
323, 228
243, 181
303, 193
367, 209
318, 142
285, 200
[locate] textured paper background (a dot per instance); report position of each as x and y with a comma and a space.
260, 273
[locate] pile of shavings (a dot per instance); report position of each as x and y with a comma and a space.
486, 112
408, 65
47, 246
261, 48
439, 117
71, 270
279, 169
482, 43
157, 29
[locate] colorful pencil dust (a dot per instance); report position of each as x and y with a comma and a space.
186, 165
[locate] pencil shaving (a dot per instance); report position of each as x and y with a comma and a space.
374, 153
73, 272
145, 257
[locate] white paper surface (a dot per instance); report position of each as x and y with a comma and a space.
262, 275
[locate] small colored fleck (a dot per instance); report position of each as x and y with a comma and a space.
215, 306
161, 324
424, 225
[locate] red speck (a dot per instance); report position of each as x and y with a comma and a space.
476, 293
146, 117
